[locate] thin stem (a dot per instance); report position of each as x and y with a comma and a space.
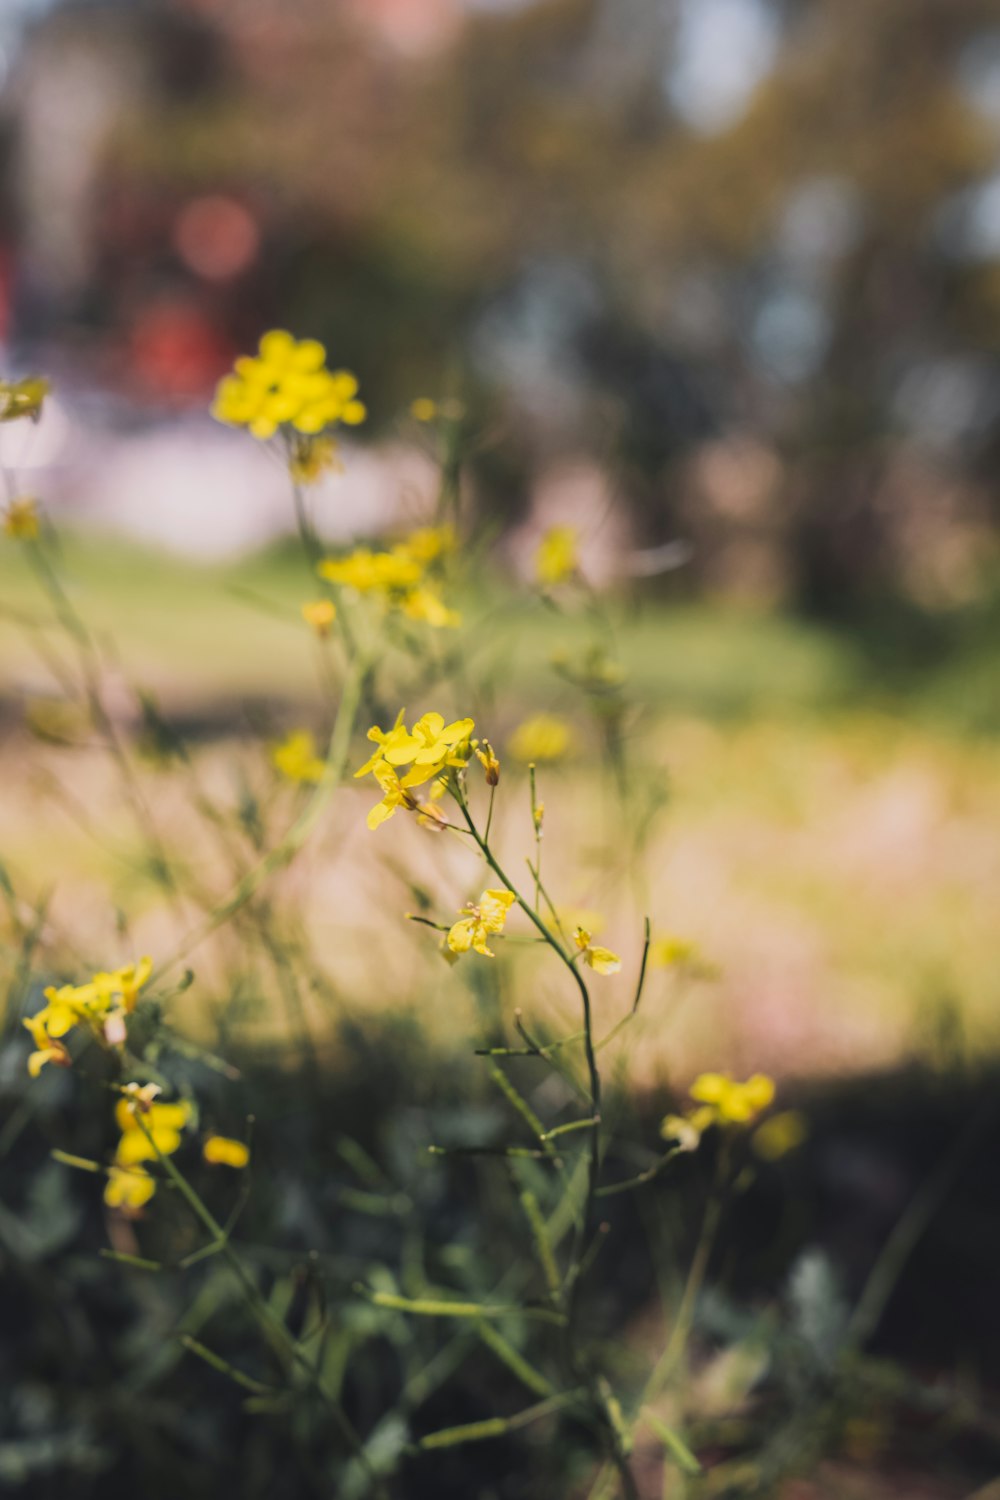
284, 852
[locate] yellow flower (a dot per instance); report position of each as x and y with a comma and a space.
557, 556
669, 952
48, 1051
102, 1004
21, 521
394, 795
148, 1129
428, 543
683, 955
309, 458
544, 737
128, 1188
780, 1134
431, 746
397, 575
23, 398
320, 614
441, 745
221, 1150
733, 1103
601, 960
368, 572
296, 757
425, 605
397, 746
486, 916
124, 984
286, 384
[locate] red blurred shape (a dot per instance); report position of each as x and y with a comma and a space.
216, 237
175, 352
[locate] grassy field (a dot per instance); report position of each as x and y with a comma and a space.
827, 825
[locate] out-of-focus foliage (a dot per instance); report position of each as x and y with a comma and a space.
748, 249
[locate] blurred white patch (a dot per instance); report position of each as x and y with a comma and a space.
725, 48
791, 334
978, 74
30, 446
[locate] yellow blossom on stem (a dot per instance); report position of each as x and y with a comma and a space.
369, 572
297, 759
320, 615
103, 1004
557, 557
128, 1188
47, 1050
720, 1101
396, 576
23, 398
394, 795
780, 1134
21, 520
125, 984
733, 1103
428, 543
149, 1129
287, 385
425, 605
397, 746
486, 916
441, 745
429, 748
545, 737
601, 960
222, 1150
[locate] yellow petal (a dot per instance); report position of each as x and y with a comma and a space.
221, 1150
602, 960
461, 935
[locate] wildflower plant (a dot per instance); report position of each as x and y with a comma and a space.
559, 1154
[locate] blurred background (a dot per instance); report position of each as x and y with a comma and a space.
718, 284
718, 281
739, 259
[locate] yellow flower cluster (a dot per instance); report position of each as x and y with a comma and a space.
148, 1130
296, 758
667, 951
398, 576
486, 916
719, 1100
543, 737
21, 521
287, 385
431, 747
558, 556
102, 1005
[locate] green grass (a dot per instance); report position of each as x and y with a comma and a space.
197, 632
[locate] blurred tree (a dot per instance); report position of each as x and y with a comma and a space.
642, 224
